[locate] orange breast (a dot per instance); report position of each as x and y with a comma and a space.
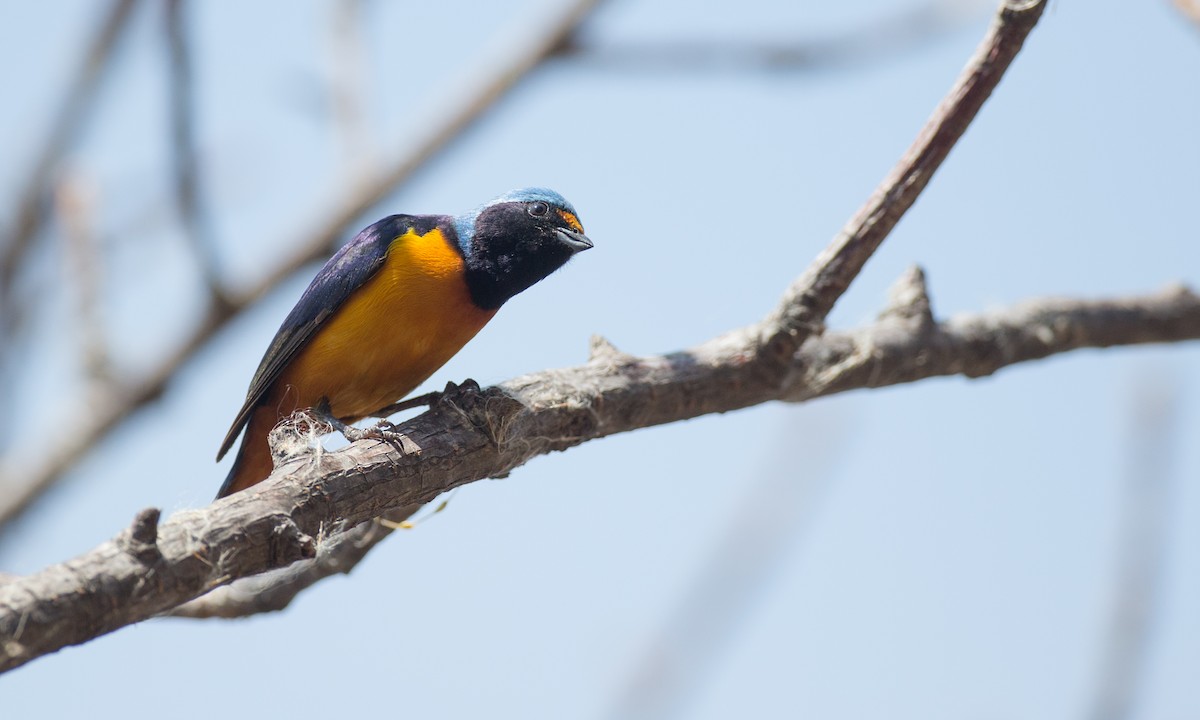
390, 336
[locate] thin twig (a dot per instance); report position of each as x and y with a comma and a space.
811, 297
527, 52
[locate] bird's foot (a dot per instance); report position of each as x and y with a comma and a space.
384, 431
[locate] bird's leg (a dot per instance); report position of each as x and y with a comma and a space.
383, 430
429, 399
425, 400
325, 415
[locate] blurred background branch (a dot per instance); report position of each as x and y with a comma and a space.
74, 206
1141, 544
189, 195
776, 511
347, 88
77, 101
902, 31
1190, 9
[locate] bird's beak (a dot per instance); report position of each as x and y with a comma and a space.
577, 241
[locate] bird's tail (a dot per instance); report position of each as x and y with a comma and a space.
253, 462
231, 479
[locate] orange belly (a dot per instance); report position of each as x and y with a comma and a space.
386, 339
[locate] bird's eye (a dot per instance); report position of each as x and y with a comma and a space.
539, 209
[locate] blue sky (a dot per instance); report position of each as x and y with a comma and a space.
942, 550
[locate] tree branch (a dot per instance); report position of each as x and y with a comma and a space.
271, 592
472, 434
978, 345
810, 298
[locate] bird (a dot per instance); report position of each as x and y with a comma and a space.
391, 307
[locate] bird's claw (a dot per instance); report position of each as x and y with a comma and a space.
386, 431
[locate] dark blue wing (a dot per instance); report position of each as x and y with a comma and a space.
348, 270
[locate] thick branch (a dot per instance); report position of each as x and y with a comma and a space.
471, 435
974, 346
272, 592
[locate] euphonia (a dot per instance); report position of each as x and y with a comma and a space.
391, 307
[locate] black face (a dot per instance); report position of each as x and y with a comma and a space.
517, 244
